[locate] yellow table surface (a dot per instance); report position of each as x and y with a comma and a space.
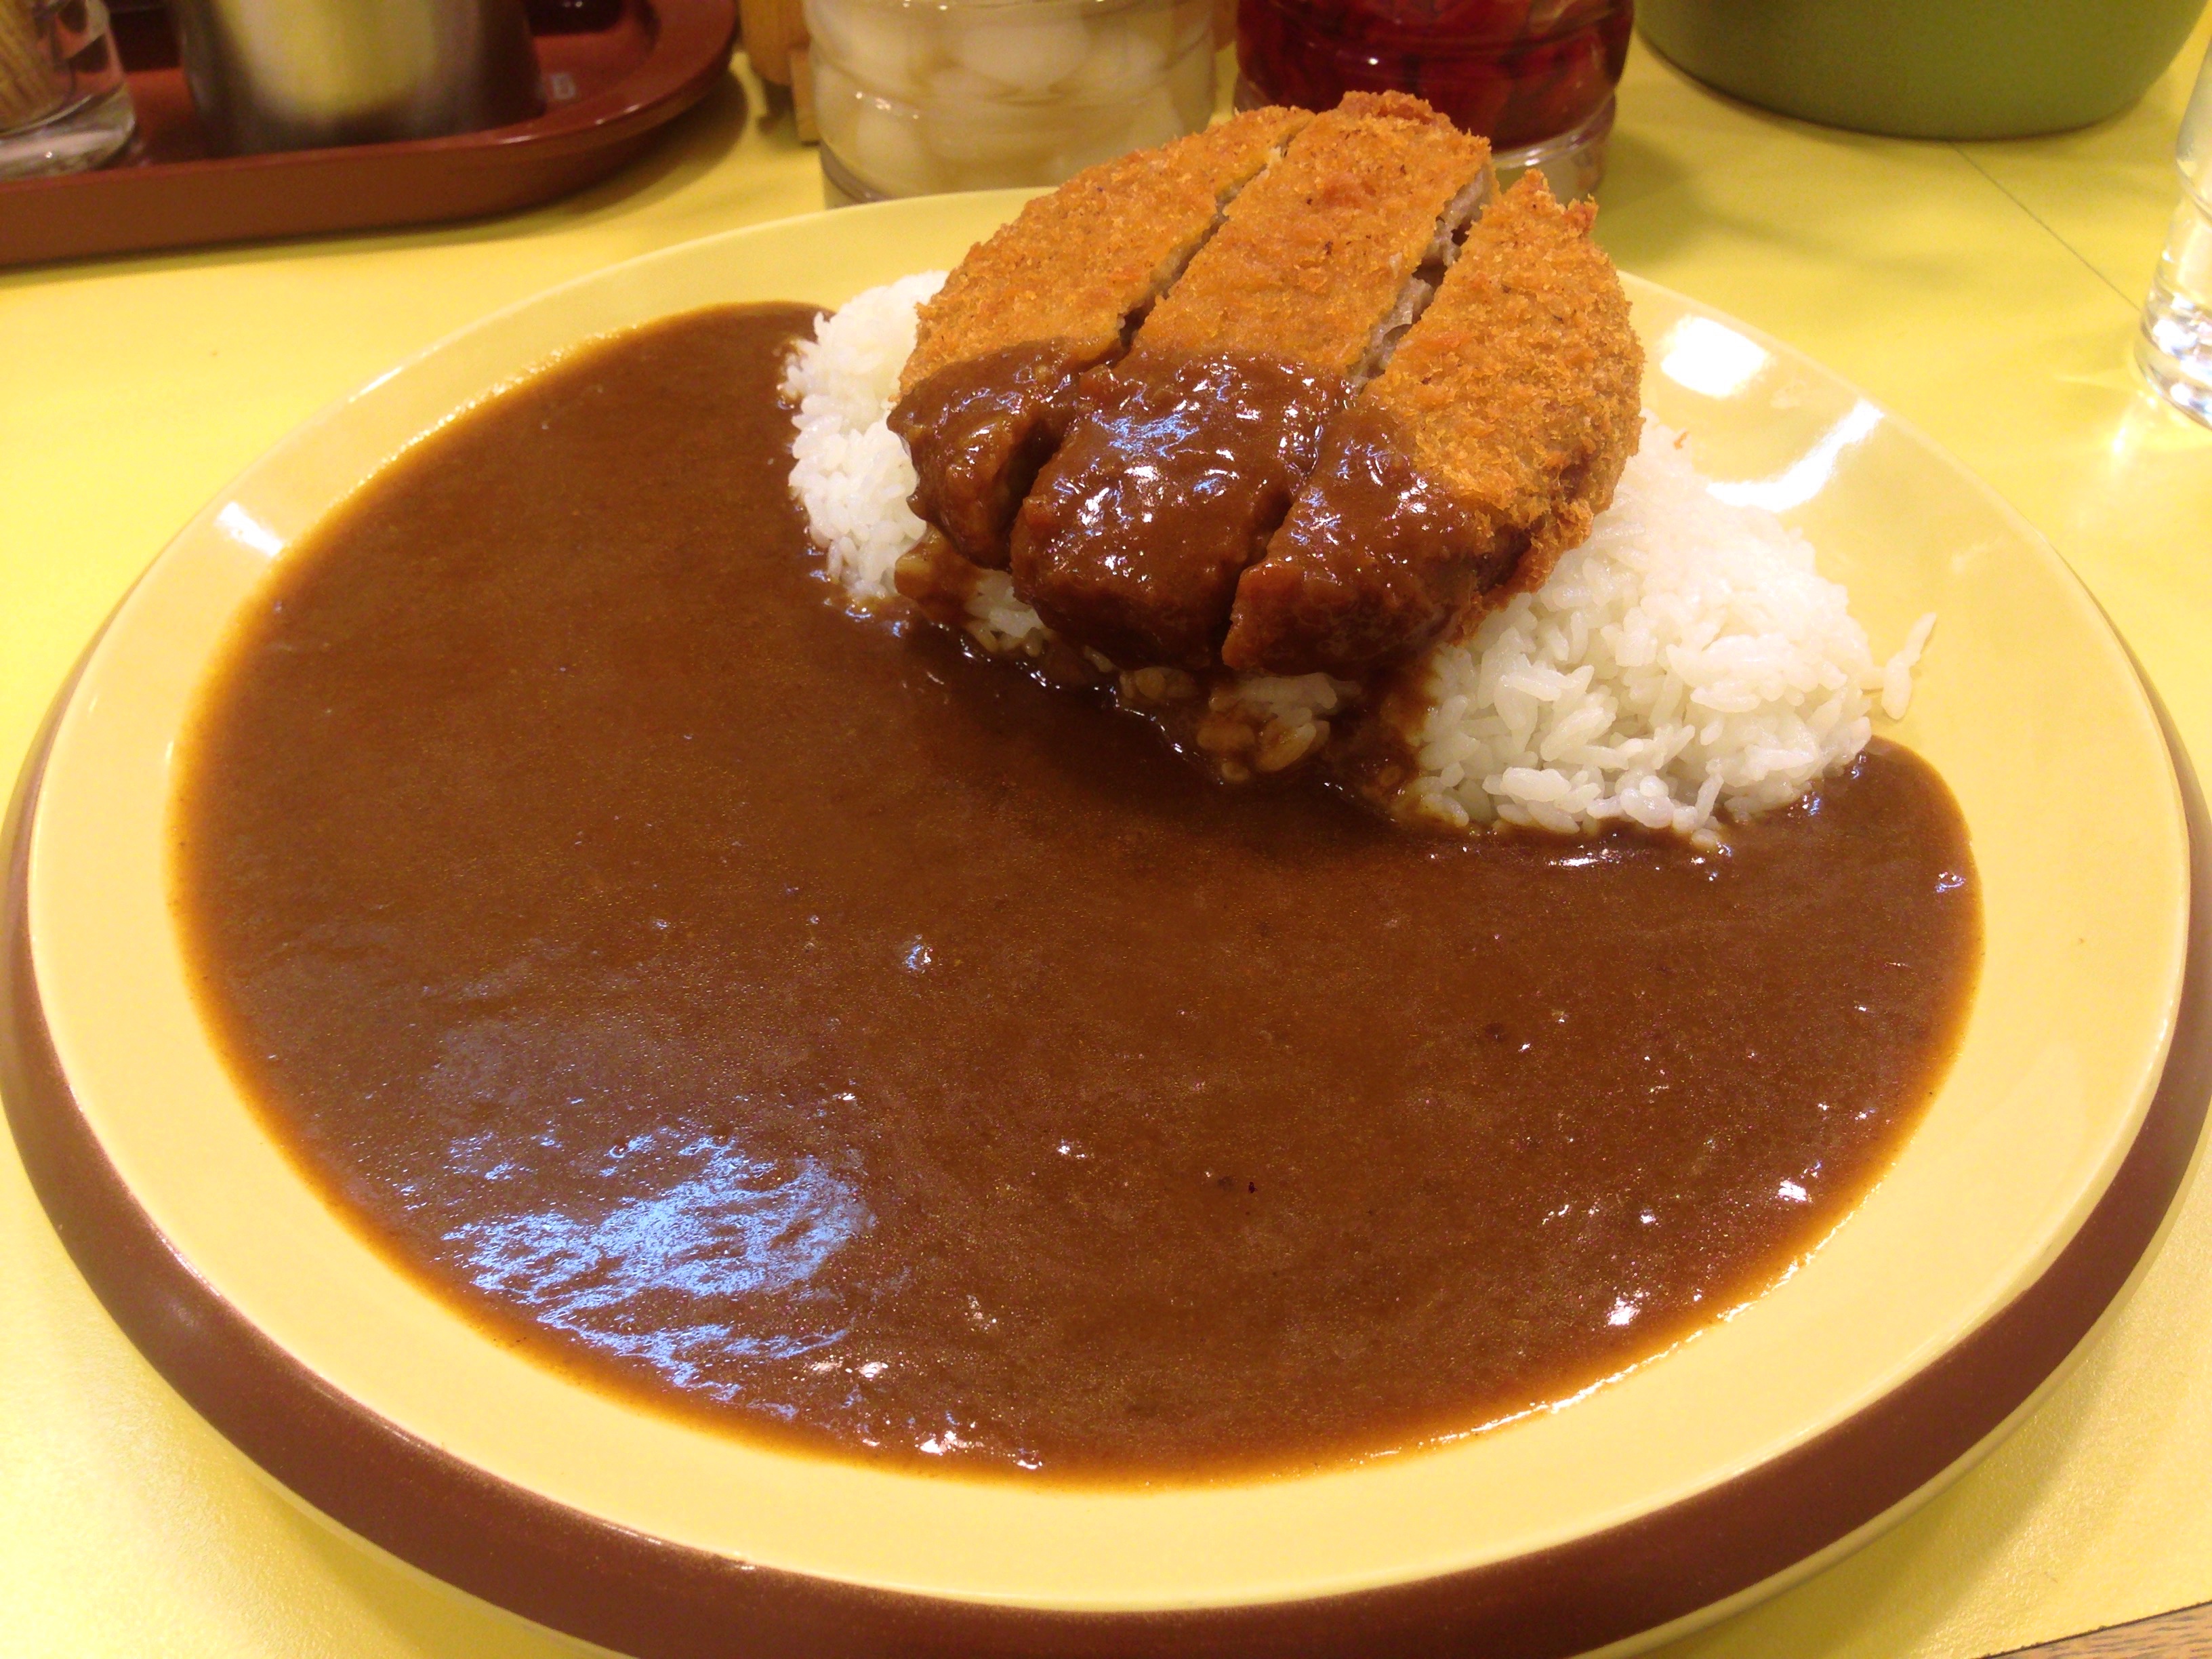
1987, 292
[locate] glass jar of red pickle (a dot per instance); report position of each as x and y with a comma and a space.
1534, 77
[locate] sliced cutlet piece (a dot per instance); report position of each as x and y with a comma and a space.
1182, 458
987, 387
1468, 465
1309, 265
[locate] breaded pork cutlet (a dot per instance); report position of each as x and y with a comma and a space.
1464, 469
1182, 458
987, 390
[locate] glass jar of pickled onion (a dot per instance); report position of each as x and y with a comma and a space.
1534, 77
914, 96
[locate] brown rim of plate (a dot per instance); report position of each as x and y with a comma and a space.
641, 1596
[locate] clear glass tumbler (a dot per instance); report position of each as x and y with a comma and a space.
63, 103
2175, 348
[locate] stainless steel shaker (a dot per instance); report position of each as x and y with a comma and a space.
269, 74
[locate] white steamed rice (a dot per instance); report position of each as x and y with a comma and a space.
849, 471
1687, 660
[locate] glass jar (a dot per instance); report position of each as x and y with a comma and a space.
1535, 78
912, 99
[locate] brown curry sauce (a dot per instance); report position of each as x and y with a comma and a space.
801, 1020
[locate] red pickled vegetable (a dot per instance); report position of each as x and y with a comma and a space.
1517, 71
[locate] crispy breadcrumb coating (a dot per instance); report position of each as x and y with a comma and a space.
1180, 460
1523, 383
1316, 253
1074, 264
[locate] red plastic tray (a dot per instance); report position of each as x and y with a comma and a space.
608, 91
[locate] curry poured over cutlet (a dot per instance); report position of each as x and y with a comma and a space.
988, 387
1335, 436
1482, 452
1182, 458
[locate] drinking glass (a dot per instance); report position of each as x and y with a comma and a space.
64, 104
2175, 347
